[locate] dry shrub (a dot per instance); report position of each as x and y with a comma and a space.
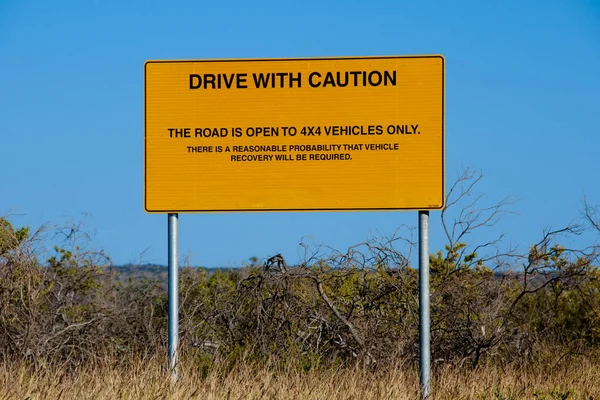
66, 313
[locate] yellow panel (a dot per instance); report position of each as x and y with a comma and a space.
294, 134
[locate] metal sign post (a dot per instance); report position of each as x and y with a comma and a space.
173, 296
424, 325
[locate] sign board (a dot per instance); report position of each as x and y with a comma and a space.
360, 133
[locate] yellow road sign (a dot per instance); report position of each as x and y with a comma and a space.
361, 133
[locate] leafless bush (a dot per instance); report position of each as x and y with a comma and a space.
489, 303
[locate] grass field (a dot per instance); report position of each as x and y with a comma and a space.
148, 380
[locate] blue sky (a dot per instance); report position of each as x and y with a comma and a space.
522, 106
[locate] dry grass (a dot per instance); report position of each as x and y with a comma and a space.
148, 380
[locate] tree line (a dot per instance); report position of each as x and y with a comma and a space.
489, 304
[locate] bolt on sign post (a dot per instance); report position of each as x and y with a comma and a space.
314, 134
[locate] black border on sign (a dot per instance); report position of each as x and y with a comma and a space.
443, 204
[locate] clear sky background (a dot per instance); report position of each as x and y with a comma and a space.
522, 106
